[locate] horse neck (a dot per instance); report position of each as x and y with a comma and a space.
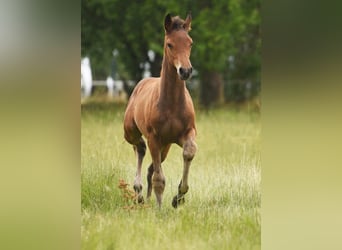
172, 90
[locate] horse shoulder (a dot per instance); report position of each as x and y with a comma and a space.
146, 92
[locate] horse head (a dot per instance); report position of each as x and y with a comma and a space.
177, 44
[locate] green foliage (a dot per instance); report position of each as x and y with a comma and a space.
221, 29
222, 208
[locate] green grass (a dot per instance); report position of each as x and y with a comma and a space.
222, 208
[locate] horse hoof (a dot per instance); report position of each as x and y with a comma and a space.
140, 199
176, 201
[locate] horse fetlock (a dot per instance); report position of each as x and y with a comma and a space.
138, 192
183, 189
137, 188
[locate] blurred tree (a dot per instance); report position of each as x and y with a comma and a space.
243, 74
222, 29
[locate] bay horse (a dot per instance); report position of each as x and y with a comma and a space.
161, 110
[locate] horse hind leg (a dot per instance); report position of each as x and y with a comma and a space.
149, 181
189, 151
140, 150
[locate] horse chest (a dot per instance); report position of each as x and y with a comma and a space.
169, 126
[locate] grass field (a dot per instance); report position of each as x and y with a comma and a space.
222, 208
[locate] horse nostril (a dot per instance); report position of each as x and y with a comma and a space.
185, 73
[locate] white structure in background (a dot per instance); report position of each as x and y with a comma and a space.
115, 88
86, 77
147, 66
147, 71
110, 86
118, 87
151, 55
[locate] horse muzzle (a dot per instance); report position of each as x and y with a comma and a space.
185, 73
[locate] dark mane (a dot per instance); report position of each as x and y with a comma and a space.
177, 23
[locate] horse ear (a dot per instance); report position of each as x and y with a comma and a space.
187, 23
168, 23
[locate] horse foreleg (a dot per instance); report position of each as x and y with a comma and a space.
150, 170
158, 179
140, 150
189, 151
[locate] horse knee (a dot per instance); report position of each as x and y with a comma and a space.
189, 150
141, 148
158, 182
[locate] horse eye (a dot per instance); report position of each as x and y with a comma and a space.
169, 45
